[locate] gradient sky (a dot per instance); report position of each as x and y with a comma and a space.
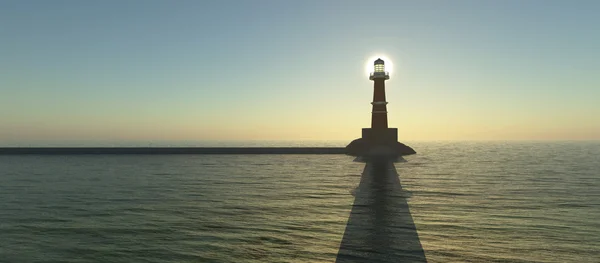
295, 70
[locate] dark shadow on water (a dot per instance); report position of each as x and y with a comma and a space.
380, 227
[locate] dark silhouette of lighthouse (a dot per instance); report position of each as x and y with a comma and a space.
379, 140
379, 113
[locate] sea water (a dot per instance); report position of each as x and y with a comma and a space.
470, 202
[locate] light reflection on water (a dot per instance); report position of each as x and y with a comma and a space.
516, 202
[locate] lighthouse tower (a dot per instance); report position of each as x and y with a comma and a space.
379, 113
379, 140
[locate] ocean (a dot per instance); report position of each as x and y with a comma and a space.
452, 202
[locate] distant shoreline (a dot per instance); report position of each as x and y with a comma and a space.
168, 150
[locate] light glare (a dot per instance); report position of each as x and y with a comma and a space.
369, 67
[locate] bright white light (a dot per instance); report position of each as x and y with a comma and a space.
369, 67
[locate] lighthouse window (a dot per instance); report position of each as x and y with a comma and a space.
379, 68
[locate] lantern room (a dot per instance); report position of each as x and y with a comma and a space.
379, 65
379, 72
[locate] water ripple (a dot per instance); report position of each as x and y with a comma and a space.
471, 202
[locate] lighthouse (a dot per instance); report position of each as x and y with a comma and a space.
379, 113
379, 140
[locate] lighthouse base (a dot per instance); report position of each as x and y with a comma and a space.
378, 142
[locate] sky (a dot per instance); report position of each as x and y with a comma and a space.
152, 71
